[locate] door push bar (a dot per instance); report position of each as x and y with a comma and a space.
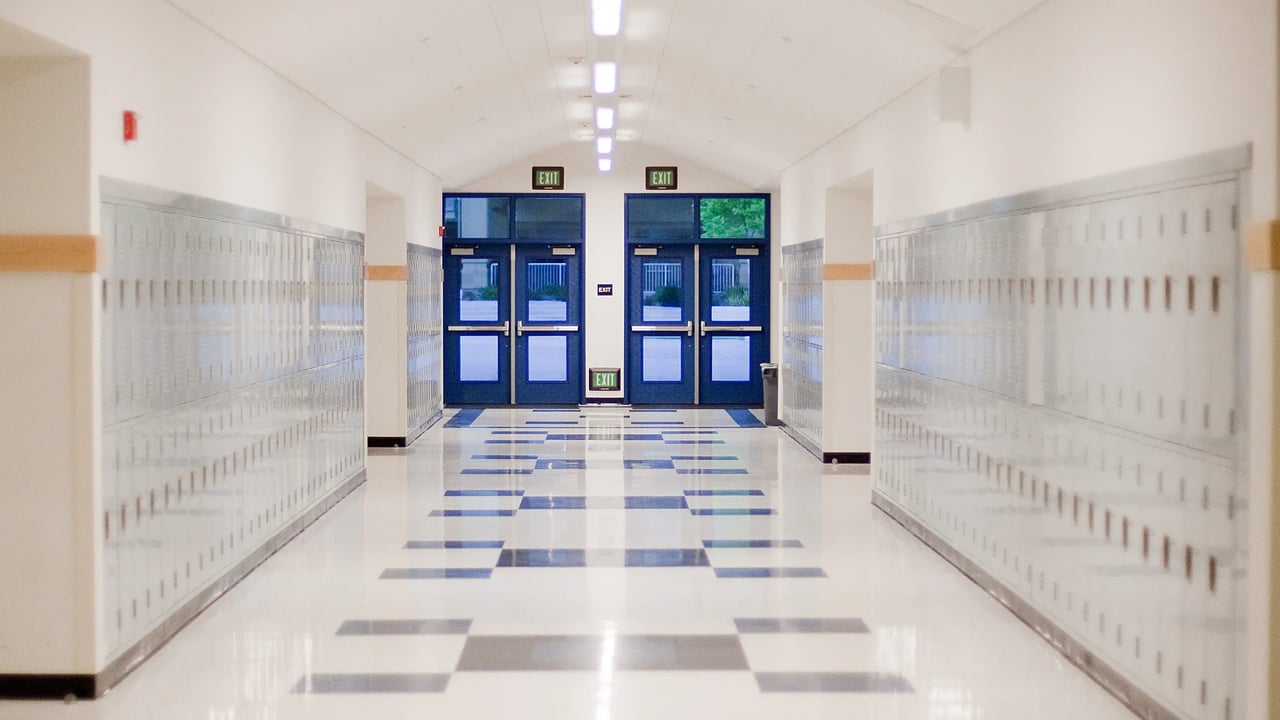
730, 328
687, 328
521, 328
504, 328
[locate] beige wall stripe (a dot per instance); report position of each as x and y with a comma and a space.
49, 253
1262, 246
849, 271
387, 272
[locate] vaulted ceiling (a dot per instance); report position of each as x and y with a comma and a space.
744, 87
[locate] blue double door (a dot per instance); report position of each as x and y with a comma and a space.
513, 324
698, 324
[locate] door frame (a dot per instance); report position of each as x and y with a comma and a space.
697, 242
510, 243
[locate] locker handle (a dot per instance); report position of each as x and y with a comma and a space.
504, 328
687, 328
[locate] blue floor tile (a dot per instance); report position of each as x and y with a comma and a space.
770, 572
695, 442
464, 418
690, 432
518, 432
704, 493
561, 464
731, 511
504, 457
655, 502
657, 422
647, 464
483, 493
551, 422
604, 436
667, 558
704, 457
711, 471
553, 502
513, 442
436, 573
454, 544
557, 557
744, 418
473, 513
497, 471
741, 544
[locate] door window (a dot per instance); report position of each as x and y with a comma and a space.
547, 292
663, 292
548, 358
731, 290
731, 358
478, 358
661, 359
478, 290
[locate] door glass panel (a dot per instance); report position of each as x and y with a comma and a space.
547, 292
548, 358
549, 218
663, 288
731, 290
660, 218
478, 358
478, 293
731, 359
731, 217
477, 218
661, 361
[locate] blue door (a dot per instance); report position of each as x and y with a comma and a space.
661, 316
477, 315
733, 327
548, 312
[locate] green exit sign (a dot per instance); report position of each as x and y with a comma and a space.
548, 178
606, 379
660, 178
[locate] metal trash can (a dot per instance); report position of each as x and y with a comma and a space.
769, 373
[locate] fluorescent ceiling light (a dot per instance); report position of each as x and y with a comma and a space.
604, 118
604, 145
606, 77
606, 17
606, 164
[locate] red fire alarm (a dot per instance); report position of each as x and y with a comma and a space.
130, 126
441, 230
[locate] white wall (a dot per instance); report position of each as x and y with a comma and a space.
605, 242
1073, 90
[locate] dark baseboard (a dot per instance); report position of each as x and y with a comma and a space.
96, 685
1146, 706
847, 458
388, 441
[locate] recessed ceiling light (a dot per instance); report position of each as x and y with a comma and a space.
606, 164
606, 17
604, 118
606, 78
604, 145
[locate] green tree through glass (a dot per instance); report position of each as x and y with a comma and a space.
732, 217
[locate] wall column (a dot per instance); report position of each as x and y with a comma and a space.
848, 333
386, 321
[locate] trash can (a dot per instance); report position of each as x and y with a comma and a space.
769, 373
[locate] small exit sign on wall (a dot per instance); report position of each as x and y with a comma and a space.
548, 178
606, 379
660, 178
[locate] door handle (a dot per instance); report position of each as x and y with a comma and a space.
504, 328
521, 328
730, 328
687, 328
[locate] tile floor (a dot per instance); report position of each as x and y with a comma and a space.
602, 564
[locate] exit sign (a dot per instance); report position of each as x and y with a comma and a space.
548, 178
660, 178
606, 379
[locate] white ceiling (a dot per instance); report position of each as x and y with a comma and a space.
744, 87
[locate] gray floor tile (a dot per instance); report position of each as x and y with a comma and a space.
851, 682
801, 625
492, 653
405, 627
328, 683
